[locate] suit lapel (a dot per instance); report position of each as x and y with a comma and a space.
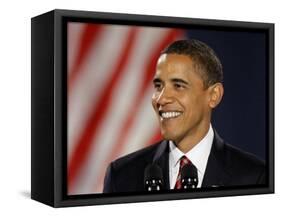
215, 174
161, 158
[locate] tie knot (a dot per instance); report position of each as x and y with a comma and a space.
184, 161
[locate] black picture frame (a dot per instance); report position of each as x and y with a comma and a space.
49, 110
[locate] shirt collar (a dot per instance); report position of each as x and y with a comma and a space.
198, 155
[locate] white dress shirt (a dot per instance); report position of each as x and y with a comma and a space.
198, 155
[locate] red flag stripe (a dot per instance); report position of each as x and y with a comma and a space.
94, 75
81, 150
88, 39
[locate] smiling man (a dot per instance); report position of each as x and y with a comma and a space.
188, 86
183, 100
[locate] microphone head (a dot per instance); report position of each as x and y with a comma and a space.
153, 178
189, 176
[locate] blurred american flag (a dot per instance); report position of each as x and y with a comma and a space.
110, 71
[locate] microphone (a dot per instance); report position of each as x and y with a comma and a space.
189, 176
153, 178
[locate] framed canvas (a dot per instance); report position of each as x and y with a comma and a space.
97, 79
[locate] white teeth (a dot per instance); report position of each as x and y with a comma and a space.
170, 114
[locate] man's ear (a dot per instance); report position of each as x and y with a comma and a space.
216, 94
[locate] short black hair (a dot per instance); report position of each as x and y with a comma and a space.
204, 58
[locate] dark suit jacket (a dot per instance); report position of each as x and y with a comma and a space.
227, 166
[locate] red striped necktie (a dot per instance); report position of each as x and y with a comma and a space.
183, 161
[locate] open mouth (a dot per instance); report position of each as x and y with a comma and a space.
169, 114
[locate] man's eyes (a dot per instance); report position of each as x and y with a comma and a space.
179, 86
157, 86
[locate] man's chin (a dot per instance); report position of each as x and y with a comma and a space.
167, 135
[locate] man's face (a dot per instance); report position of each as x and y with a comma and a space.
180, 100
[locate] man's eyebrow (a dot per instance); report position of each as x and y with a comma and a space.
178, 80
156, 80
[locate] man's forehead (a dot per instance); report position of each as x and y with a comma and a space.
175, 61
174, 64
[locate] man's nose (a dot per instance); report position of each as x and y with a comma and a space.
164, 97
